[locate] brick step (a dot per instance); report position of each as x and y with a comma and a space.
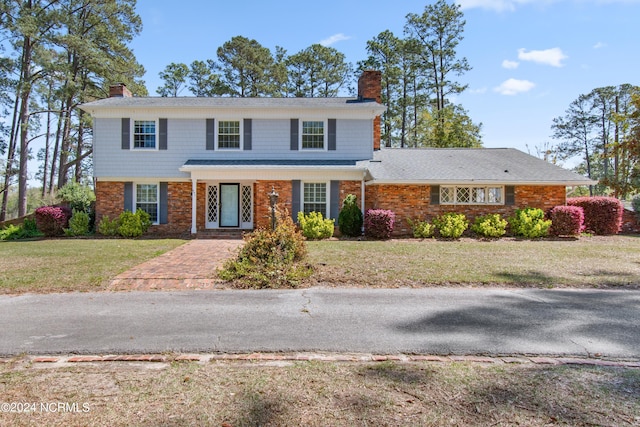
221, 234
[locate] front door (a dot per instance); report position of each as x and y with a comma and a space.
229, 205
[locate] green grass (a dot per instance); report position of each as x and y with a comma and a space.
324, 393
612, 261
62, 265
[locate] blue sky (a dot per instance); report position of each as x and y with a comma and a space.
530, 58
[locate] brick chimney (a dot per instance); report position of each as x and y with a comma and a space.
370, 89
119, 90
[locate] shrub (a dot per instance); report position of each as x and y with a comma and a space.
52, 220
491, 225
350, 217
314, 226
635, 204
79, 197
451, 225
130, 224
108, 227
602, 215
529, 223
421, 229
145, 219
378, 223
270, 258
566, 220
78, 224
27, 230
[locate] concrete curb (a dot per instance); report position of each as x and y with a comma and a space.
321, 357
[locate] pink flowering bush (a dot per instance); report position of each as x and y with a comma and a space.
566, 220
378, 223
602, 215
52, 220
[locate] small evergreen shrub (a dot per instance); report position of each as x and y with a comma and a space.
602, 215
145, 220
378, 223
108, 227
270, 258
421, 229
451, 225
566, 220
529, 223
314, 226
130, 225
350, 217
491, 225
78, 224
78, 196
52, 220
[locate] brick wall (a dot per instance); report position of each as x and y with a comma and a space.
109, 199
413, 202
261, 205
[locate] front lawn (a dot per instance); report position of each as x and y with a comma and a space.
319, 394
63, 265
611, 261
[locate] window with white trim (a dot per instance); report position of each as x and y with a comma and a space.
313, 135
471, 195
144, 134
229, 134
315, 197
147, 199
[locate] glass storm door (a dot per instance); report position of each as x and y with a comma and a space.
229, 205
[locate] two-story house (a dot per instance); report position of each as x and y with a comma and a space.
209, 163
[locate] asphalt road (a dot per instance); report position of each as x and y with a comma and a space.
430, 321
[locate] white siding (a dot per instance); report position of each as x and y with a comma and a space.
186, 140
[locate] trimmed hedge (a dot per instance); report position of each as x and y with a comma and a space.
602, 215
378, 223
52, 220
529, 223
451, 225
566, 220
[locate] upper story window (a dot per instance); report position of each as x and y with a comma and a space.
229, 134
313, 135
471, 195
144, 134
147, 200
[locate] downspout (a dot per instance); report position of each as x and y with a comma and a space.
362, 192
194, 204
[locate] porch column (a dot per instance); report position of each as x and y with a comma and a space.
194, 204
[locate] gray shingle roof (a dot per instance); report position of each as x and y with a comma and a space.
483, 165
227, 102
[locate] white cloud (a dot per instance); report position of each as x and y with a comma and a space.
478, 91
553, 57
334, 39
514, 87
599, 45
510, 65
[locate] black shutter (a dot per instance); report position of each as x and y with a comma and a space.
125, 133
509, 195
435, 194
247, 134
332, 135
295, 199
294, 134
128, 196
334, 204
163, 215
211, 134
162, 134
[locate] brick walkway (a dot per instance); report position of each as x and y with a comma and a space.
190, 266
